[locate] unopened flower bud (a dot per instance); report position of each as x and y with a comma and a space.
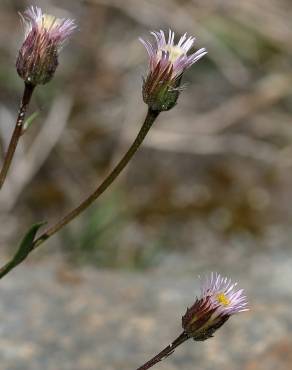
44, 37
219, 300
167, 63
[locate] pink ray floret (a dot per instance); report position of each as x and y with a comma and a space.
169, 54
220, 299
56, 30
44, 36
222, 295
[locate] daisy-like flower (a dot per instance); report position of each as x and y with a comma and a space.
219, 299
167, 63
44, 37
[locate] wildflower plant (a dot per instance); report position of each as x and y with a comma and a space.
167, 63
44, 36
219, 300
176, 64
36, 64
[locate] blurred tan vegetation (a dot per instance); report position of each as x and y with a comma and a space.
217, 166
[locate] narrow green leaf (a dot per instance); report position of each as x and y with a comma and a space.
24, 249
26, 246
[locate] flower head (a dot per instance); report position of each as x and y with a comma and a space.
219, 299
44, 37
167, 63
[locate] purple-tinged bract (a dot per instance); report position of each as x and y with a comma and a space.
44, 37
167, 63
219, 299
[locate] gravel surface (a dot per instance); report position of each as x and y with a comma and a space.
54, 318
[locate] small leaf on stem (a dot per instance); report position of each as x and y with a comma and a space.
29, 121
24, 249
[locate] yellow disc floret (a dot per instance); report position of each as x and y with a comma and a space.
222, 299
49, 21
174, 52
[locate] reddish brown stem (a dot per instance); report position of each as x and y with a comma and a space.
28, 90
167, 351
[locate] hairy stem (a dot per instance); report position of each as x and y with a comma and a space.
149, 120
167, 351
28, 90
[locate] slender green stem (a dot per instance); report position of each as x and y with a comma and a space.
167, 351
149, 120
28, 90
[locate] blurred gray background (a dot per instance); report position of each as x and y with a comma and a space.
210, 189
